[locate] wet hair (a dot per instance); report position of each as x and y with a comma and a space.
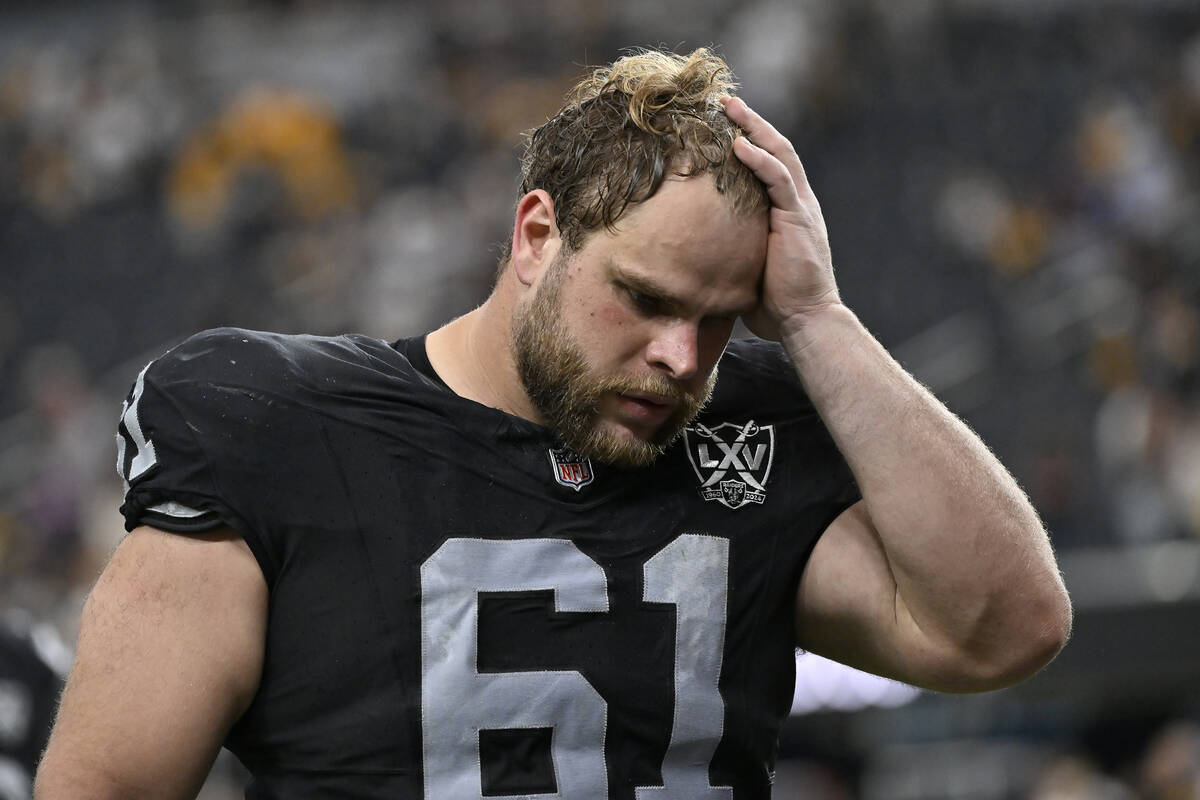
627, 127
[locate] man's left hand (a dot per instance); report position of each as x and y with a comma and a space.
798, 279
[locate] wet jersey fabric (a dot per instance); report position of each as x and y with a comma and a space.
460, 607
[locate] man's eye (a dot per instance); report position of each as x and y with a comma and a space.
644, 302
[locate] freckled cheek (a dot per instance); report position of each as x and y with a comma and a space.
612, 315
614, 329
594, 319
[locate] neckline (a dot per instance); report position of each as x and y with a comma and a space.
418, 355
499, 421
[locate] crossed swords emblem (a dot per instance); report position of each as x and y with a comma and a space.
742, 456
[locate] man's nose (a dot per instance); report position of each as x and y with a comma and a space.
675, 350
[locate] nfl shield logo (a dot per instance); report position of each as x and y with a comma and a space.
732, 461
570, 468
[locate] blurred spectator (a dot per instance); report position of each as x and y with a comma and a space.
68, 460
1170, 769
33, 664
1071, 777
289, 140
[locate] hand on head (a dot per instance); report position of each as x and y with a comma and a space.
798, 279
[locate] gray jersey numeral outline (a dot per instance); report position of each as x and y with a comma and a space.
457, 701
144, 456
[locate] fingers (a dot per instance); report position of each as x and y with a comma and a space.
761, 131
769, 140
770, 170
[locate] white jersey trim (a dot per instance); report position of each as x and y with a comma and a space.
178, 510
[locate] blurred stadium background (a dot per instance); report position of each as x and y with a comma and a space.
1013, 194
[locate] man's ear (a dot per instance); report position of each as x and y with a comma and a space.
535, 240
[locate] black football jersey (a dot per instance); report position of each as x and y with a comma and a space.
29, 689
460, 607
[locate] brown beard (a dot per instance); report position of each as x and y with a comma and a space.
555, 374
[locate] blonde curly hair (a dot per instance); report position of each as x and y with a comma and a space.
625, 128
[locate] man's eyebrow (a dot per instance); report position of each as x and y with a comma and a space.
647, 286
643, 285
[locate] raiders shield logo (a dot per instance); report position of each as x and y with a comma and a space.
732, 461
570, 468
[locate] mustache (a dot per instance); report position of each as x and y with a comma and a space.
649, 384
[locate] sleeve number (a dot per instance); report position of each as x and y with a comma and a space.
457, 701
130, 428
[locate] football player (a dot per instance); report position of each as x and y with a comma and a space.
33, 661
566, 544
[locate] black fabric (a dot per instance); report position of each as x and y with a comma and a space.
29, 689
516, 762
418, 357
347, 467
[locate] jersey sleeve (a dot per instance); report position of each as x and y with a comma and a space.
234, 428
168, 481
201, 445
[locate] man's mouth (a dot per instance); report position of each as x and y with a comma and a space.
650, 398
647, 407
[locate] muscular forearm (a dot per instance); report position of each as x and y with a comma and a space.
946, 578
971, 562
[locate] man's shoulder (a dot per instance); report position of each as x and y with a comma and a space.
756, 375
753, 355
231, 385
248, 359
214, 421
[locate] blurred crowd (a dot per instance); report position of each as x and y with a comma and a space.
1012, 191
1167, 767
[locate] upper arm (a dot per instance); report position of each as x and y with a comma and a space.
169, 656
985, 621
848, 607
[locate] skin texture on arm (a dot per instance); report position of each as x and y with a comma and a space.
942, 576
169, 656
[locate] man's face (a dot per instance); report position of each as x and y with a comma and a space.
618, 346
